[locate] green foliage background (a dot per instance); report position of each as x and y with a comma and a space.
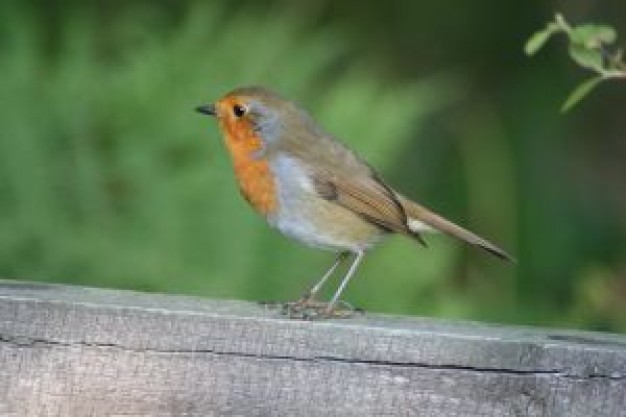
108, 177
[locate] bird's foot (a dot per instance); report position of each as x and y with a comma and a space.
309, 309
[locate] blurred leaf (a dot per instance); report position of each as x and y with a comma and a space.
585, 57
539, 38
586, 49
593, 36
580, 92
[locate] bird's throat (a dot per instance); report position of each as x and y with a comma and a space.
253, 174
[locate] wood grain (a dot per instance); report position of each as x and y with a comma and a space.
71, 351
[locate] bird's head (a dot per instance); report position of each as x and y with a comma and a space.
254, 118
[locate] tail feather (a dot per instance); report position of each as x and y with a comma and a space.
422, 219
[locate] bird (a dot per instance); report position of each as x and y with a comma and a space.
311, 187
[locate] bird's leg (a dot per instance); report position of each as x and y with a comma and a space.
308, 298
311, 293
329, 311
307, 307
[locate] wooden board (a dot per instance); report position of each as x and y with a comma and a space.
71, 351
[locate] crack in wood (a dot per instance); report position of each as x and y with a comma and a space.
559, 373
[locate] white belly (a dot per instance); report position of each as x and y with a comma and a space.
308, 218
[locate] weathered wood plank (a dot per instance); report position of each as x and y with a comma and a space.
73, 351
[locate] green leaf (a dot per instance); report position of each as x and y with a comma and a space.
593, 36
580, 92
539, 38
585, 57
536, 41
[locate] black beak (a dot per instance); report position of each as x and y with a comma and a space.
208, 109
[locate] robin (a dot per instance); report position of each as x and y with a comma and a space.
312, 188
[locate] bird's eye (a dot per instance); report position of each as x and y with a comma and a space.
239, 110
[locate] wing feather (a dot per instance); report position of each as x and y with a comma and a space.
368, 197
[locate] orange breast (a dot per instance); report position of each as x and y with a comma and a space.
253, 175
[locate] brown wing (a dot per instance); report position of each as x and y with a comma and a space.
341, 177
366, 196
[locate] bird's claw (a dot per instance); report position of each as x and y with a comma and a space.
308, 309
